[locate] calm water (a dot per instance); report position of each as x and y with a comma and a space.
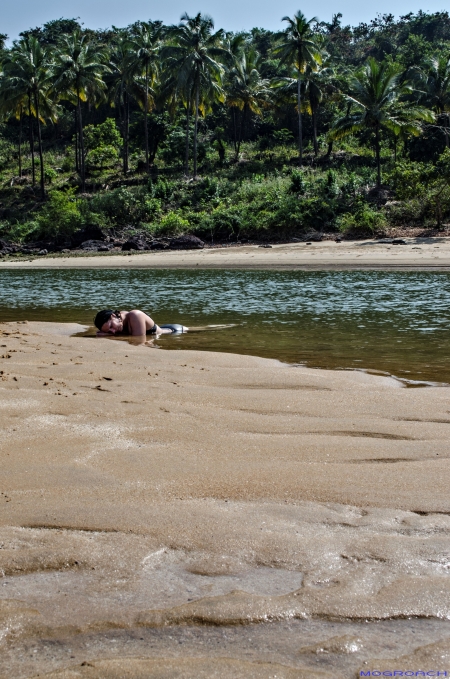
393, 322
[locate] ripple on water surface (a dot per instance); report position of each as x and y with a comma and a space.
395, 322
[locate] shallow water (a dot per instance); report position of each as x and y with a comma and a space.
396, 322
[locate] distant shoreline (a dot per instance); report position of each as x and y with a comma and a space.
432, 254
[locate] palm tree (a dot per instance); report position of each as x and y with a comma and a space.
192, 60
319, 83
376, 93
28, 75
247, 90
235, 44
300, 48
316, 82
80, 65
13, 103
146, 44
436, 75
123, 86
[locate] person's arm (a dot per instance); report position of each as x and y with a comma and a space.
138, 323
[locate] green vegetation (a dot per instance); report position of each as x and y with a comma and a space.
167, 130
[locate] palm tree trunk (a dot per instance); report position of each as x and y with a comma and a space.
30, 118
314, 120
235, 132
197, 98
300, 132
77, 164
81, 145
377, 152
126, 132
41, 156
20, 143
147, 165
186, 160
242, 128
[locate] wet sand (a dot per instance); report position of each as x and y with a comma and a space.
418, 253
194, 514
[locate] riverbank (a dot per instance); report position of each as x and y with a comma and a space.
415, 253
173, 493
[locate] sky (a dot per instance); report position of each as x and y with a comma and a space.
233, 15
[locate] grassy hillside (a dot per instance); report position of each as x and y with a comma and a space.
162, 131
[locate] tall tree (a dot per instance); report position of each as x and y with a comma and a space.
28, 74
376, 93
436, 77
316, 83
15, 108
193, 58
80, 65
246, 90
123, 86
300, 48
13, 101
146, 44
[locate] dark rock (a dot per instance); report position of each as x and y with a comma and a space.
48, 245
91, 232
135, 243
338, 240
7, 248
399, 241
187, 242
313, 236
158, 245
92, 245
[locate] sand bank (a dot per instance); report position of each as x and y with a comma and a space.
153, 503
418, 253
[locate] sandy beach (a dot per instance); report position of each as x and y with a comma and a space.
417, 253
195, 514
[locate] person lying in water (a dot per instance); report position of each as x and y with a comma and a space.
134, 323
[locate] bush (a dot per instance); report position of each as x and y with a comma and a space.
68, 163
17, 233
426, 185
105, 134
49, 175
60, 216
172, 224
122, 207
102, 156
298, 184
365, 221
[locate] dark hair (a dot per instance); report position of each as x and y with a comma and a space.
103, 316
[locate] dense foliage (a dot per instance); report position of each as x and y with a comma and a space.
175, 129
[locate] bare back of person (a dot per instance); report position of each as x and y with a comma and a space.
135, 323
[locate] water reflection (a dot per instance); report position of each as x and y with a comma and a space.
394, 322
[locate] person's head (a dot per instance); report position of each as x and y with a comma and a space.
108, 320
